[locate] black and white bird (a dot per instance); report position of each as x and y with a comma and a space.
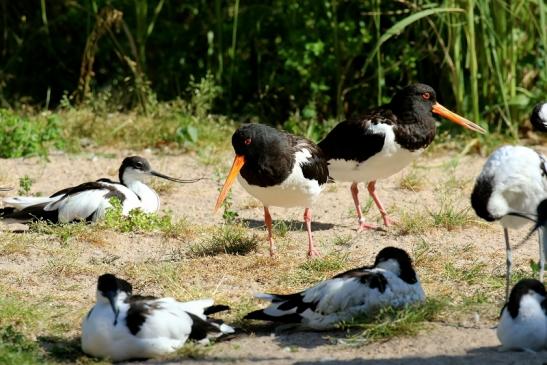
123, 326
512, 183
279, 169
384, 140
392, 281
539, 117
89, 201
523, 322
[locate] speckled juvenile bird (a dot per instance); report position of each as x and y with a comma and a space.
385, 140
123, 326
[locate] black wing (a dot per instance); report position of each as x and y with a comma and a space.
355, 139
99, 185
317, 167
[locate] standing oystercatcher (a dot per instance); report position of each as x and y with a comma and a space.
523, 322
385, 140
539, 117
279, 169
89, 201
392, 281
123, 326
513, 180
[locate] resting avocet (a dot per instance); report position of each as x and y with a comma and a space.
392, 281
279, 169
385, 140
513, 179
523, 322
123, 326
89, 201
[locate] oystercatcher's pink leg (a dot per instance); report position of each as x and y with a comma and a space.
307, 219
268, 221
355, 194
372, 191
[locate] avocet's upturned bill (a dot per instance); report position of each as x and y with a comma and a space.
384, 140
123, 326
509, 188
89, 201
279, 169
391, 281
523, 321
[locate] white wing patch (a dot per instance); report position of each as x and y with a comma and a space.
390, 160
294, 191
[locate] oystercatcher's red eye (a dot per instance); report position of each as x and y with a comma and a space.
426, 96
247, 141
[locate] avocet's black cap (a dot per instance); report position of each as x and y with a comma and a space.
523, 287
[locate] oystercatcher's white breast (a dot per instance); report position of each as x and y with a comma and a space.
294, 191
391, 159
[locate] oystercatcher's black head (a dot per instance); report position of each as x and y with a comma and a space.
251, 142
418, 101
539, 117
109, 287
135, 168
525, 287
254, 139
398, 261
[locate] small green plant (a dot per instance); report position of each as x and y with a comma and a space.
231, 239
412, 181
312, 271
389, 322
449, 216
22, 136
63, 231
414, 222
16, 348
25, 184
135, 221
342, 240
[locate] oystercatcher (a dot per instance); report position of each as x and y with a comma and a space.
392, 281
384, 141
511, 184
89, 201
539, 117
523, 322
123, 326
279, 169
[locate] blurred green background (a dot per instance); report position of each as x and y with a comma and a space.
277, 61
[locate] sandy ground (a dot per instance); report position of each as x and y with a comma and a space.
66, 272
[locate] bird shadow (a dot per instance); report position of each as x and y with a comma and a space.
64, 350
291, 225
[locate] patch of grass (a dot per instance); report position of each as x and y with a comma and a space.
22, 136
135, 221
471, 274
25, 184
231, 239
414, 222
412, 181
449, 216
392, 322
15, 244
321, 268
281, 228
16, 348
342, 240
193, 350
65, 232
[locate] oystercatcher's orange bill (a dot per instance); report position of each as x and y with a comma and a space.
239, 161
453, 117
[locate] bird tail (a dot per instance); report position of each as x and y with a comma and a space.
274, 316
215, 309
22, 202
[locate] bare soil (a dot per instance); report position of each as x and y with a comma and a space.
59, 276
